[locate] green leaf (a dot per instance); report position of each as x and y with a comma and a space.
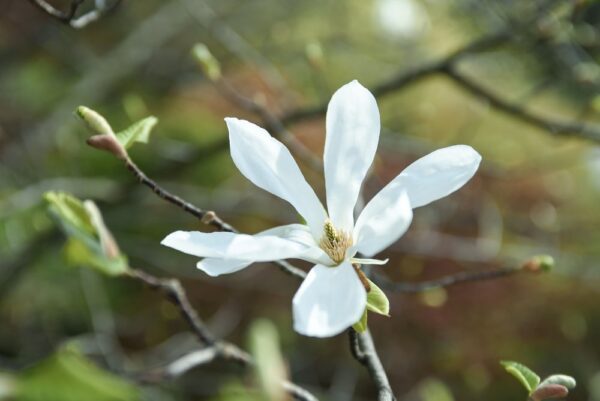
137, 132
563, 380
525, 375
361, 325
377, 301
69, 376
70, 212
79, 254
89, 242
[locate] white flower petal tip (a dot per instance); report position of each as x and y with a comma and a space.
174, 239
367, 261
330, 300
439, 174
352, 125
217, 267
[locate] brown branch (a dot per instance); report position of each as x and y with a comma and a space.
215, 349
272, 123
446, 281
207, 217
363, 350
412, 76
553, 126
177, 295
69, 17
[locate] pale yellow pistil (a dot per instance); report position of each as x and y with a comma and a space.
335, 242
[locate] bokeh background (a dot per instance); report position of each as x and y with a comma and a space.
537, 191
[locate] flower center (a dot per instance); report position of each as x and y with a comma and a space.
334, 242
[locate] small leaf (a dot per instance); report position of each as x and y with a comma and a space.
563, 380
377, 301
71, 214
361, 325
525, 375
137, 132
78, 253
89, 242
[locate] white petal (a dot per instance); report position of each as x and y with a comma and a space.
225, 245
269, 165
385, 218
215, 267
438, 174
301, 234
330, 300
366, 261
352, 137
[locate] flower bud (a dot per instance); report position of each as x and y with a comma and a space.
538, 264
207, 62
549, 392
94, 121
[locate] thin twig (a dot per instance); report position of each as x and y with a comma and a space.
207, 217
557, 127
446, 281
69, 17
406, 78
215, 349
176, 294
272, 123
363, 350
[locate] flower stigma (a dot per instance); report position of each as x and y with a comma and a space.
334, 242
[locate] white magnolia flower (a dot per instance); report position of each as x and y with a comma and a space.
332, 297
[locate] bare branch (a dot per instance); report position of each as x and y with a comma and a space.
207, 217
363, 350
557, 127
446, 281
216, 349
69, 17
272, 123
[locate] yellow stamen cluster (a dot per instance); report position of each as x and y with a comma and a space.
335, 242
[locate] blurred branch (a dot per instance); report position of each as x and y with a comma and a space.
363, 350
446, 281
68, 17
31, 145
448, 67
272, 123
557, 127
234, 42
412, 76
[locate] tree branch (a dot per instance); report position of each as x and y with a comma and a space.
446, 281
557, 127
207, 217
69, 18
363, 350
215, 349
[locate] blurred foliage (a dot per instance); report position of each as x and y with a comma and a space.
536, 193
69, 376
